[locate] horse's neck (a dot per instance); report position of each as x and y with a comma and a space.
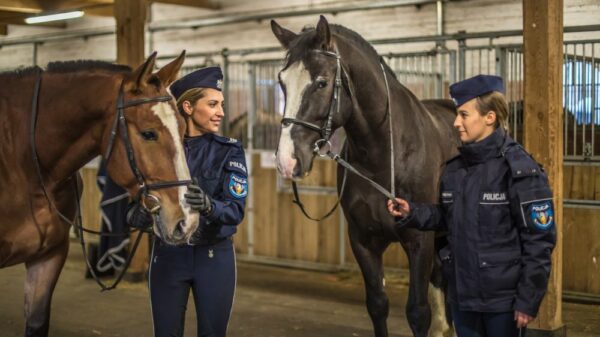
368, 128
71, 119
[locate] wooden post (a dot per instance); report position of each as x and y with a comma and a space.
3, 29
543, 132
131, 20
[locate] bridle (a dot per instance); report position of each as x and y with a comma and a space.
120, 123
322, 146
334, 107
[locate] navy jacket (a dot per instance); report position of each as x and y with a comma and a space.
219, 165
496, 205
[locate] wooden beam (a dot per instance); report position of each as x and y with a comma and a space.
105, 10
543, 132
131, 20
208, 4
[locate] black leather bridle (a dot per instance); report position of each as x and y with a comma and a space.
120, 123
334, 107
322, 146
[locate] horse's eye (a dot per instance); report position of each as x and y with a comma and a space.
149, 135
321, 84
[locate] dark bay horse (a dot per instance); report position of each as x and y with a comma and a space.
72, 112
423, 139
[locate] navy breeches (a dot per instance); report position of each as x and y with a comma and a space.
485, 324
209, 271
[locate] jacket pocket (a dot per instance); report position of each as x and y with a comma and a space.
499, 272
494, 213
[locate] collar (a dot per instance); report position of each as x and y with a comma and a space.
197, 140
483, 150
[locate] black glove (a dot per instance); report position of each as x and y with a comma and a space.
198, 200
138, 217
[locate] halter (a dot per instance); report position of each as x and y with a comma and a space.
325, 132
144, 188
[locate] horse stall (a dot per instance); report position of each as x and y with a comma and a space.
299, 277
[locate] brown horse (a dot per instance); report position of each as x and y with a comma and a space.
71, 112
334, 78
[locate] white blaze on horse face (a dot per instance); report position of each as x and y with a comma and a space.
167, 115
296, 79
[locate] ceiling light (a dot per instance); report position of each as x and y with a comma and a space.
54, 17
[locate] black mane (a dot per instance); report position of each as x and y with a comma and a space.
67, 67
307, 41
78, 65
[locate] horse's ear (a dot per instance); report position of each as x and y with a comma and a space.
169, 72
142, 73
323, 33
284, 36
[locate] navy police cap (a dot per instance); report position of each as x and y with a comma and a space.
464, 91
209, 77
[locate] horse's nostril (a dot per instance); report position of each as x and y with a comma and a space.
178, 232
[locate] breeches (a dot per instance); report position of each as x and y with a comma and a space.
209, 271
485, 324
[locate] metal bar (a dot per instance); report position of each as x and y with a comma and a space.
35, 54
225, 124
231, 18
583, 97
342, 237
593, 89
250, 147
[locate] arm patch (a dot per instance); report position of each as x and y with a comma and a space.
537, 209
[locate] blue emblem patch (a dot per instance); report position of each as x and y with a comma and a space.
542, 215
238, 186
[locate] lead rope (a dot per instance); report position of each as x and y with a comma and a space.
389, 106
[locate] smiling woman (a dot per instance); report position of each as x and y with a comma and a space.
218, 168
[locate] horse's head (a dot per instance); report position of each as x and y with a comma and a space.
311, 80
143, 148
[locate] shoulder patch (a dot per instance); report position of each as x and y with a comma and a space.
541, 215
521, 164
238, 186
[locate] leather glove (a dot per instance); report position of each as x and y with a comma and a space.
198, 199
138, 217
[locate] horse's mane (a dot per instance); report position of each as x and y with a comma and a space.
67, 67
306, 42
78, 65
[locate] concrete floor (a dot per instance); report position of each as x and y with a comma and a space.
270, 302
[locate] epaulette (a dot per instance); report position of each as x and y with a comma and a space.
521, 163
227, 140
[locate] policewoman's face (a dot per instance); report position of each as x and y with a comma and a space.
471, 125
207, 114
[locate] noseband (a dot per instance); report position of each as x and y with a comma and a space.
334, 106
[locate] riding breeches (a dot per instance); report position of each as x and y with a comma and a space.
209, 271
485, 324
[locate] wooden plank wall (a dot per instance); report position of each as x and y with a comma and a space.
281, 231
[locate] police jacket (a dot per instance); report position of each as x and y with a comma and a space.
496, 205
219, 165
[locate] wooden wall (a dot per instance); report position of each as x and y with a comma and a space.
282, 232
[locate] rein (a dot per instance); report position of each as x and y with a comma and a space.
144, 188
324, 141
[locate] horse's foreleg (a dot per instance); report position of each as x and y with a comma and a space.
419, 249
369, 259
42, 275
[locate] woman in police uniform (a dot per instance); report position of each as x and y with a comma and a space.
496, 205
207, 264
